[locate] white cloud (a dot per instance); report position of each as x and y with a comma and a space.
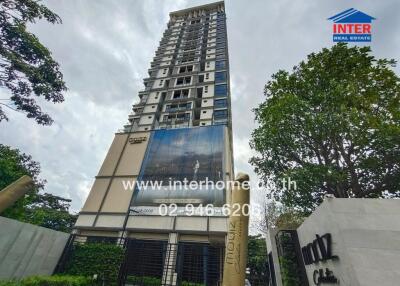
105, 48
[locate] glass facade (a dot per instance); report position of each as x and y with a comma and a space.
220, 77
220, 90
182, 155
220, 65
220, 114
220, 103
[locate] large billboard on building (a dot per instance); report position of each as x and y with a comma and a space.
182, 166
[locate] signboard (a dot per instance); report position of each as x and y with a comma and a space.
183, 166
320, 250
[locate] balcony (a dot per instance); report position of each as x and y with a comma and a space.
173, 124
140, 104
129, 127
180, 107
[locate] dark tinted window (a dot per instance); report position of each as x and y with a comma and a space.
220, 103
220, 77
220, 90
220, 114
220, 65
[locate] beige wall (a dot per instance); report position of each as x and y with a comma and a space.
110, 221
210, 92
131, 160
111, 159
154, 97
146, 119
96, 195
207, 102
85, 220
118, 199
206, 114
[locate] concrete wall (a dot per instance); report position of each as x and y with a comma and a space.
365, 237
27, 249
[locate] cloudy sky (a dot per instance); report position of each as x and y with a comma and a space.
105, 48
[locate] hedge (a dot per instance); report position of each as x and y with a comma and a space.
103, 259
56, 280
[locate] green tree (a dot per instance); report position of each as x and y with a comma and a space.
27, 68
331, 125
279, 216
36, 208
257, 260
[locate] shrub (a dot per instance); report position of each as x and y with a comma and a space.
56, 280
103, 259
143, 280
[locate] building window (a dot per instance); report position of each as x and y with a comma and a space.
220, 103
168, 117
220, 77
161, 82
183, 116
208, 64
220, 65
207, 75
181, 93
206, 89
178, 107
183, 80
164, 71
178, 116
188, 57
220, 90
220, 114
185, 69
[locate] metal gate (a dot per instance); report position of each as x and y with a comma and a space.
144, 263
157, 263
199, 264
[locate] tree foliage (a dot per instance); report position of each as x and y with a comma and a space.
27, 68
42, 209
257, 260
332, 125
276, 215
103, 259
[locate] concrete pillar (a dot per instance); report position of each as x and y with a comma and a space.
237, 237
10, 194
121, 237
169, 272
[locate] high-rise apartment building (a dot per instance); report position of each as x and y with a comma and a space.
179, 131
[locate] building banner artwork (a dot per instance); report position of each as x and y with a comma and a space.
182, 166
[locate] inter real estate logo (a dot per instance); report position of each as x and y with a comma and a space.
352, 26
